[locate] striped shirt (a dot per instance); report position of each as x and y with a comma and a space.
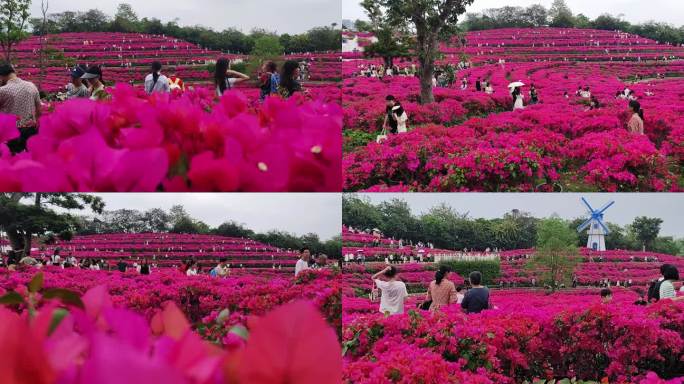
667, 290
20, 98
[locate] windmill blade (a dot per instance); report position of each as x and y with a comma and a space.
587, 204
603, 209
607, 231
584, 225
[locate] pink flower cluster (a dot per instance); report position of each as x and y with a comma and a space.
179, 142
98, 342
528, 336
197, 296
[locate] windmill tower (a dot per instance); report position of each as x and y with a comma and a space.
597, 229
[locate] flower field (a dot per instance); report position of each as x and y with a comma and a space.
169, 250
126, 58
528, 336
109, 326
471, 141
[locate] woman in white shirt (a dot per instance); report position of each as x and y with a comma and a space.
155, 82
393, 292
224, 83
192, 270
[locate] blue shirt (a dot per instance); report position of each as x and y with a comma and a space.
476, 300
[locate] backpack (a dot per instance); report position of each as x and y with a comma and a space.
654, 291
275, 82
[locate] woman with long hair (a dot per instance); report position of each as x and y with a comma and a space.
441, 291
636, 122
288, 79
517, 96
155, 82
225, 78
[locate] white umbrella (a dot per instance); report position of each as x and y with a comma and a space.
516, 84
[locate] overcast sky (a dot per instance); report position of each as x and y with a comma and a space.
667, 206
282, 16
635, 11
298, 213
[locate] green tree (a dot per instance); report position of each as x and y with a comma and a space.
156, 220
233, 229
609, 23
536, 15
561, 15
398, 220
556, 254
432, 21
125, 20
646, 230
389, 46
359, 212
14, 18
25, 215
185, 225
267, 46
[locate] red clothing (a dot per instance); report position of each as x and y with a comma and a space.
176, 83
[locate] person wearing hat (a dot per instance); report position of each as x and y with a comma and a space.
76, 89
21, 99
97, 87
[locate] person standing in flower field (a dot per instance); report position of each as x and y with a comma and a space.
636, 122
222, 81
393, 293
442, 291
395, 116
666, 290
155, 82
221, 270
477, 298
21, 99
97, 88
76, 89
517, 99
303, 262
269, 79
606, 295
289, 85
176, 83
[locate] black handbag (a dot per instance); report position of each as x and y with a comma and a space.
425, 305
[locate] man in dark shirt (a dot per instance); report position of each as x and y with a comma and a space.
121, 265
477, 298
478, 85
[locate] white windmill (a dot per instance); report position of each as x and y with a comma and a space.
597, 229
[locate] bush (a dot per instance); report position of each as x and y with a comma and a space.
490, 269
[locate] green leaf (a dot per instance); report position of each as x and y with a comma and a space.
240, 331
11, 298
57, 316
65, 296
36, 283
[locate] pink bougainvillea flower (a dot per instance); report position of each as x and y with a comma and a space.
23, 360
307, 354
